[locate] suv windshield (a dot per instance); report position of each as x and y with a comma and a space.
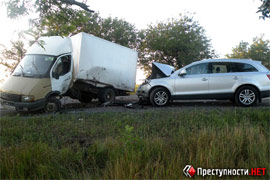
34, 66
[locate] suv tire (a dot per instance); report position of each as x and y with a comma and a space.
246, 96
160, 97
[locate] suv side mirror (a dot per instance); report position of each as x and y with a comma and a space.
182, 73
55, 75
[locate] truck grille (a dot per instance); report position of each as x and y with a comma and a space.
10, 97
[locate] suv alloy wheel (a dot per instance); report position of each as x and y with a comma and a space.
246, 96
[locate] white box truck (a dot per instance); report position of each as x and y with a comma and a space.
82, 66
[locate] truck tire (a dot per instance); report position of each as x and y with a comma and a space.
246, 96
85, 98
160, 97
52, 105
106, 95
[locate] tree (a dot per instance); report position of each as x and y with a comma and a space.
112, 29
264, 9
240, 51
176, 42
65, 21
258, 50
118, 31
49, 11
16, 8
15, 53
68, 23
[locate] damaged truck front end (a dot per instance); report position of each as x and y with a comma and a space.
29, 84
33, 84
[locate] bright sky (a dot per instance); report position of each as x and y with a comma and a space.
227, 22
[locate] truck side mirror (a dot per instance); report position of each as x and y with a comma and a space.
55, 75
182, 73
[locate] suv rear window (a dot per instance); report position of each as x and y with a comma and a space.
227, 67
242, 67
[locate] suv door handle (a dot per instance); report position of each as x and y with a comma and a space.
204, 79
236, 78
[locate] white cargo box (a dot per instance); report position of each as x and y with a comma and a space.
102, 61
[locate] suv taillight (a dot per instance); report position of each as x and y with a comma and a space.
268, 75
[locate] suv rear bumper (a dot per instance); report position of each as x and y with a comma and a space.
39, 104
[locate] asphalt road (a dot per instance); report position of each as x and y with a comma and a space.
74, 106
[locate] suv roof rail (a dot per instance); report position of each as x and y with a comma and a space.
228, 59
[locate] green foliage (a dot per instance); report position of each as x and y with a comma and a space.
17, 8
57, 18
264, 9
258, 50
118, 31
15, 53
176, 42
70, 22
133, 145
65, 21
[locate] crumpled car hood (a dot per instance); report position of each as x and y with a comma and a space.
160, 70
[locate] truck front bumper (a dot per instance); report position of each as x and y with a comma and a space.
23, 106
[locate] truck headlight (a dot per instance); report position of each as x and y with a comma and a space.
29, 98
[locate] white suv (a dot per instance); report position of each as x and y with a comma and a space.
241, 80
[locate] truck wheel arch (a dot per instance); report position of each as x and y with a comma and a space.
51, 98
52, 93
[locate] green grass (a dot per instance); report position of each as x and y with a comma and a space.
133, 145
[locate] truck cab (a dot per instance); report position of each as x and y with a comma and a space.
44, 74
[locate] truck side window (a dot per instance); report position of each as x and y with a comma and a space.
63, 65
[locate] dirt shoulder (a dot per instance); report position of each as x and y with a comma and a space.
74, 106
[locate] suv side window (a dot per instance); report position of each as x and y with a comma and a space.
229, 67
202, 68
220, 67
243, 67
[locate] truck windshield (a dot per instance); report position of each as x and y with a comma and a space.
34, 66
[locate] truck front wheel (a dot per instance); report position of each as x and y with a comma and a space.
106, 95
52, 105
